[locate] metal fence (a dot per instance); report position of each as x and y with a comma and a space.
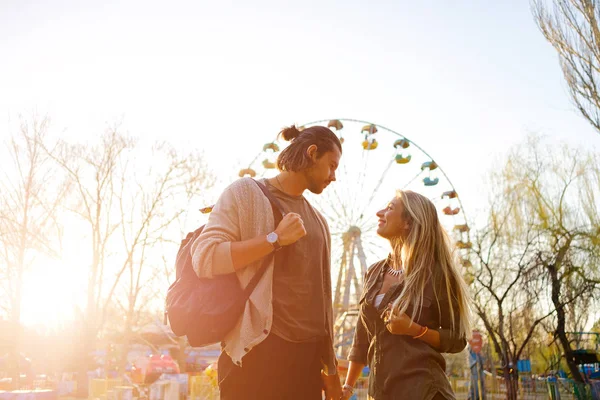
203, 387
530, 389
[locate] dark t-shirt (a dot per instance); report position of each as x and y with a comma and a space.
299, 285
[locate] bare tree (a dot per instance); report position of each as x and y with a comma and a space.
536, 259
504, 286
30, 193
152, 199
571, 27
555, 185
128, 198
570, 237
92, 173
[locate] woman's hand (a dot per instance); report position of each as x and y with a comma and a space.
400, 324
346, 394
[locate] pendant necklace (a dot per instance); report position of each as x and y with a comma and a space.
394, 272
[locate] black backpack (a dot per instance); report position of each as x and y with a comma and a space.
203, 309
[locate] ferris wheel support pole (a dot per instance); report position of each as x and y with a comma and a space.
349, 274
357, 290
336, 299
362, 257
363, 263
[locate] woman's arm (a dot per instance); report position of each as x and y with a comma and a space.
357, 357
359, 351
444, 340
354, 371
403, 325
450, 340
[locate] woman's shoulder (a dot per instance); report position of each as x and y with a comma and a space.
375, 269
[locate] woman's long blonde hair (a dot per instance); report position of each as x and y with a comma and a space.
425, 253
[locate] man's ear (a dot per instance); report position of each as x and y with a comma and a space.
311, 152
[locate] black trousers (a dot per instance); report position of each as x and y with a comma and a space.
274, 370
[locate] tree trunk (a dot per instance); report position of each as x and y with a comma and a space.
17, 329
87, 346
14, 358
127, 336
512, 383
16, 333
560, 324
89, 331
122, 365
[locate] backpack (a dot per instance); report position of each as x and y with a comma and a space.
207, 309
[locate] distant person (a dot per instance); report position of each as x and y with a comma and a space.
282, 348
414, 307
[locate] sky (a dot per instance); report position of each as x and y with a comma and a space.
465, 80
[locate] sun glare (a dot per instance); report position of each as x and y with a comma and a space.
52, 292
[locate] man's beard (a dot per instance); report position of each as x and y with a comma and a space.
312, 184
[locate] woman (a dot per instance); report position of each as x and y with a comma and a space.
414, 307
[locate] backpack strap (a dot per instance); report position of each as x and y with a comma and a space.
278, 214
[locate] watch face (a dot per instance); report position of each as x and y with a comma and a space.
272, 237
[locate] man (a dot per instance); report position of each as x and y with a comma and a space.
282, 346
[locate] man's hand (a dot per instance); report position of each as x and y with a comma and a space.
333, 387
290, 229
346, 394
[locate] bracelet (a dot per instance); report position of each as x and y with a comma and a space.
424, 330
348, 388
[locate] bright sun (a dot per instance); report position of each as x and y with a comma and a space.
52, 291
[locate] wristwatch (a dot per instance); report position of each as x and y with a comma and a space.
273, 239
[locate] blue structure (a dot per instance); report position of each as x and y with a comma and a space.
477, 383
524, 365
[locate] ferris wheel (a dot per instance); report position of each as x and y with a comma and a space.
375, 163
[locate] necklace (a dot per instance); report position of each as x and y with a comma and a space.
394, 272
